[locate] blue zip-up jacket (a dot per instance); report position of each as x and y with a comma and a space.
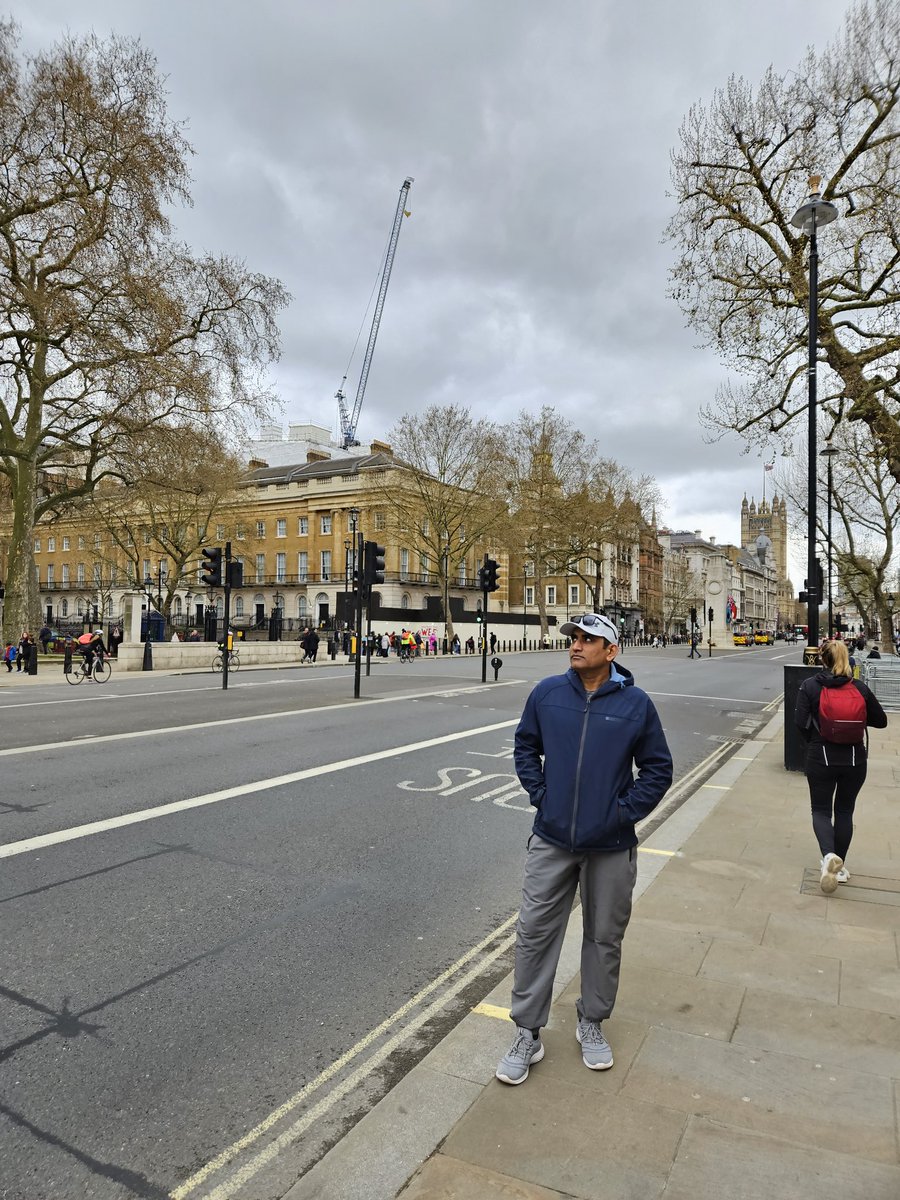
575, 755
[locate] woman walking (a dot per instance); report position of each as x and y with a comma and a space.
833, 710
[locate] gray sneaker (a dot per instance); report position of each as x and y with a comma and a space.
524, 1051
595, 1050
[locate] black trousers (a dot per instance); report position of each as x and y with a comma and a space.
832, 796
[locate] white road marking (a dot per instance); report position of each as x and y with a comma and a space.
246, 789
692, 696
84, 740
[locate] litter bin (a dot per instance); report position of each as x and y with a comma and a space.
794, 745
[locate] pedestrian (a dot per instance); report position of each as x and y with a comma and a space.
175, 637
576, 745
26, 645
312, 645
45, 636
695, 653
455, 647
493, 643
9, 655
874, 652
832, 712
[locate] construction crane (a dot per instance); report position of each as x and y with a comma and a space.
350, 420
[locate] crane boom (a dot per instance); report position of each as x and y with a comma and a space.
350, 420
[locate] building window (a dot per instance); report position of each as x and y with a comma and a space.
302, 566
97, 571
574, 594
64, 608
97, 541
423, 562
220, 533
147, 537
260, 568
404, 600
529, 569
301, 607
303, 526
326, 524
529, 595
79, 573
404, 564
65, 543
260, 529
81, 541
326, 565
426, 527
239, 606
281, 527
50, 574
462, 574
240, 533
551, 593
37, 545
145, 574
65, 574
380, 520
280, 568
51, 544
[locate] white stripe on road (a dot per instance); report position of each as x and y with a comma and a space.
87, 740
245, 789
693, 696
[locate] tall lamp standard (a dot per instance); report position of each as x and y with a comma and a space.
809, 217
828, 454
445, 567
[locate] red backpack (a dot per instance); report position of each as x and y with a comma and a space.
842, 715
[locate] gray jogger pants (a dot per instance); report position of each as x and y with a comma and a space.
606, 881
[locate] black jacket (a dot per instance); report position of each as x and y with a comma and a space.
806, 716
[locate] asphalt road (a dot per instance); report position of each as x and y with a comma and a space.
232, 919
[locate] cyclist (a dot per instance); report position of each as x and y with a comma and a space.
91, 646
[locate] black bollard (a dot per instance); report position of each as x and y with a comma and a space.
496, 663
67, 659
147, 664
31, 665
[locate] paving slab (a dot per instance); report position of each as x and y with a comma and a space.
676, 1001
659, 944
718, 1163
834, 1035
445, 1178
773, 970
856, 945
606, 1149
776, 1094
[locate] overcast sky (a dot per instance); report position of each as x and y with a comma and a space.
532, 270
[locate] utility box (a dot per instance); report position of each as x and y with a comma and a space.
794, 745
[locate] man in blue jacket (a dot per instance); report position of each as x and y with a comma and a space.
580, 737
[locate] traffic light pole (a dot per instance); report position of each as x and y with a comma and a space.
357, 668
226, 581
484, 617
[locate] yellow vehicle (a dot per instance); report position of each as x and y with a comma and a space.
740, 637
764, 637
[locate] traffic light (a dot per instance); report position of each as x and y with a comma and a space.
693, 615
839, 622
487, 576
235, 573
622, 621
710, 615
479, 617
373, 565
212, 573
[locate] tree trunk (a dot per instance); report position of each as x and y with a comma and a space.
21, 608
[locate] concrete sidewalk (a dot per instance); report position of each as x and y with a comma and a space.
756, 1034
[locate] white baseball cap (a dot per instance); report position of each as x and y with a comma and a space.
593, 623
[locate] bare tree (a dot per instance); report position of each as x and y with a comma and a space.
865, 504
107, 324
739, 173
446, 489
682, 588
547, 461
181, 480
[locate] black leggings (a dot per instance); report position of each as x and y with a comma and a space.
833, 788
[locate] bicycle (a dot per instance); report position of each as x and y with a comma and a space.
234, 662
99, 670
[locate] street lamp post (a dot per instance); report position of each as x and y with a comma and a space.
445, 567
828, 453
347, 544
147, 664
815, 213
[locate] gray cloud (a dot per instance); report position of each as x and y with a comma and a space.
532, 270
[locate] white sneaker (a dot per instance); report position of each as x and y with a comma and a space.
843, 875
831, 864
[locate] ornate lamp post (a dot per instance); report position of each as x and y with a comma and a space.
810, 217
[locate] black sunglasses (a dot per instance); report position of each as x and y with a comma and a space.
591, 619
